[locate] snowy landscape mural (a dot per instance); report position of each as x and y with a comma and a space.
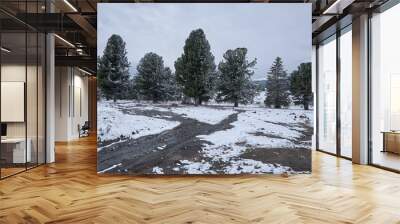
184, 93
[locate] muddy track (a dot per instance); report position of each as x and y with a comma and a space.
164, 149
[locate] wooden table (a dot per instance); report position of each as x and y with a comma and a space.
391, 141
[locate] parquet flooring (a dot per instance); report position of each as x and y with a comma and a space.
70, 191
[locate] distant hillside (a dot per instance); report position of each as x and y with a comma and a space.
260, 84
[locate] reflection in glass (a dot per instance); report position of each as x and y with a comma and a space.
41, 98
327, 96
346, 93
22, 90
14, 153
385, 89
31, 100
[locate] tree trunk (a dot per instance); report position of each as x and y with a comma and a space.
236, 104
197, 101
306, 106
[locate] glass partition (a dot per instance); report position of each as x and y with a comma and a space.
327, 95
22, 101
13, 109
346, 92
31, 98
385, 89
41, 97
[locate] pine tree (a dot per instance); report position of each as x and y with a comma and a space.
150, 77
235, 73
170, 87
113, 69
277, 93
195, 69
300, 85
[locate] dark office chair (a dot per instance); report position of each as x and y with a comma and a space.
84, 130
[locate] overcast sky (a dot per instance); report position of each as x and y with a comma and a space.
266, 30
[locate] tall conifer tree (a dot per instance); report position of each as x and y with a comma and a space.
277, 94
113, 69
300, 85
154, 81
234, 83
195, 69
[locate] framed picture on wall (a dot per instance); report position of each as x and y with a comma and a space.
204, 89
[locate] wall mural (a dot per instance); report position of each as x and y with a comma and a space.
204, 89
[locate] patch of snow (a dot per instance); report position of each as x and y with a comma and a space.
176, 169
254, 167
114, 124
110, 168
259, 98
257, 128
161, 147
232, 142
203, 114
191, 167
158, 170
285, 116
109, 145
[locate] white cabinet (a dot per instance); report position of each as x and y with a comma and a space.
18, 145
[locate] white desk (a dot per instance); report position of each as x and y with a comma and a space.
19, 154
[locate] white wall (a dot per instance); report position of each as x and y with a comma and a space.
71, 102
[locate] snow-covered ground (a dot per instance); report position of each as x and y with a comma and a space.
255, 127
259, 128
200, 113
114, 124
204, 114
259, 98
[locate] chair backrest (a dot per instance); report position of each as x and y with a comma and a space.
86, 125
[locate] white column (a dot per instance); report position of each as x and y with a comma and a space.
50, 100
360, 90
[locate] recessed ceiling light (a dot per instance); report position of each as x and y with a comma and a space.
338, 6
5, 50
64, 40
70, 5
86, 72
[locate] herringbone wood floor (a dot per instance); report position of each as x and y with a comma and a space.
70, 191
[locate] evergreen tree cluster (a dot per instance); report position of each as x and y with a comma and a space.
282, 89
197, 78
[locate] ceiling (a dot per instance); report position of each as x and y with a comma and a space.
75, 21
